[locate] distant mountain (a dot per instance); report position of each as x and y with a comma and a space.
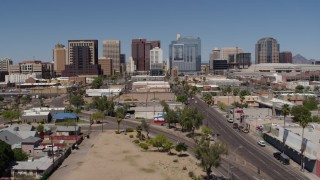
299, 59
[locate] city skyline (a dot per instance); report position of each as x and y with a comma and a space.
31, 30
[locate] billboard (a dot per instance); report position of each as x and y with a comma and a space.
178, 52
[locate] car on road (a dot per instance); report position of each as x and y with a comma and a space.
277, 155
235, 126
127, 116
261, 143
245, 130
230, 120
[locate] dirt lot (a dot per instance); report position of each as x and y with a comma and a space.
113, 156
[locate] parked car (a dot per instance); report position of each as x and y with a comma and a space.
245, 130
277, 155
235, 125
127, 116
261, 143
230, 120
284, 159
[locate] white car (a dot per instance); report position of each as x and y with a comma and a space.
230, 120
127, 116
261, 143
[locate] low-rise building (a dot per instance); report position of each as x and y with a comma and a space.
151, 86
28, 145
68, 130
103, 92
40, 114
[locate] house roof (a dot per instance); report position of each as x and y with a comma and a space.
65, 116
38, 164
9, 138
67, 128
31, 139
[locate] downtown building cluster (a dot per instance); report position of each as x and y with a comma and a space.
81, 58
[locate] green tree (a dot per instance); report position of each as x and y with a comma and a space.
210, 155
181, 146
303, 120
120, 114
40, 128
296, 112
19, 155
10, 115
165, 106
160, 141
182, 99
25, 99
99, 115
6, 156
76, 100
311, 103
299, 89
208, 99
191, 119
235, 91
206, 131
171, 117
1, 98
145, 126
97, 83
69, 109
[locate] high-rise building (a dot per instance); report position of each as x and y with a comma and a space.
215, 54
140, 52
4, 64
111, 49
59, 58
83, 58
106, 66
228, 52
156, 61
122, 63
185, 54
285, 57
243, 60
267, 51
131, 67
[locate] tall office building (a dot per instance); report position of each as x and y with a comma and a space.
285, 57
267, 51
122, 63
4, 64
156, 61
59, 58
106, 66
83, 58
185, 54
140, 52
228, 52
243, 60
4, 68
111, 49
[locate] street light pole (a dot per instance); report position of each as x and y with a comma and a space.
233, 152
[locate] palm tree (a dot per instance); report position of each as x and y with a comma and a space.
304, 120
285, 111
120, 114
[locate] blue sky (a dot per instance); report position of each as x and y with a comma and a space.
30, 29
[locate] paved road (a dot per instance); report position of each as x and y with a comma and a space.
250, 151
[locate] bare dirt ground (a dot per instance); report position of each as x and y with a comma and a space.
115, 156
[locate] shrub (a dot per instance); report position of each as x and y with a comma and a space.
129, 130
184, 168
131, 136
136, 141
144, 146
117, 132
175, 160
127, 99
191, 174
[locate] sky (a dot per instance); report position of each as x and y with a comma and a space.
30, 29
